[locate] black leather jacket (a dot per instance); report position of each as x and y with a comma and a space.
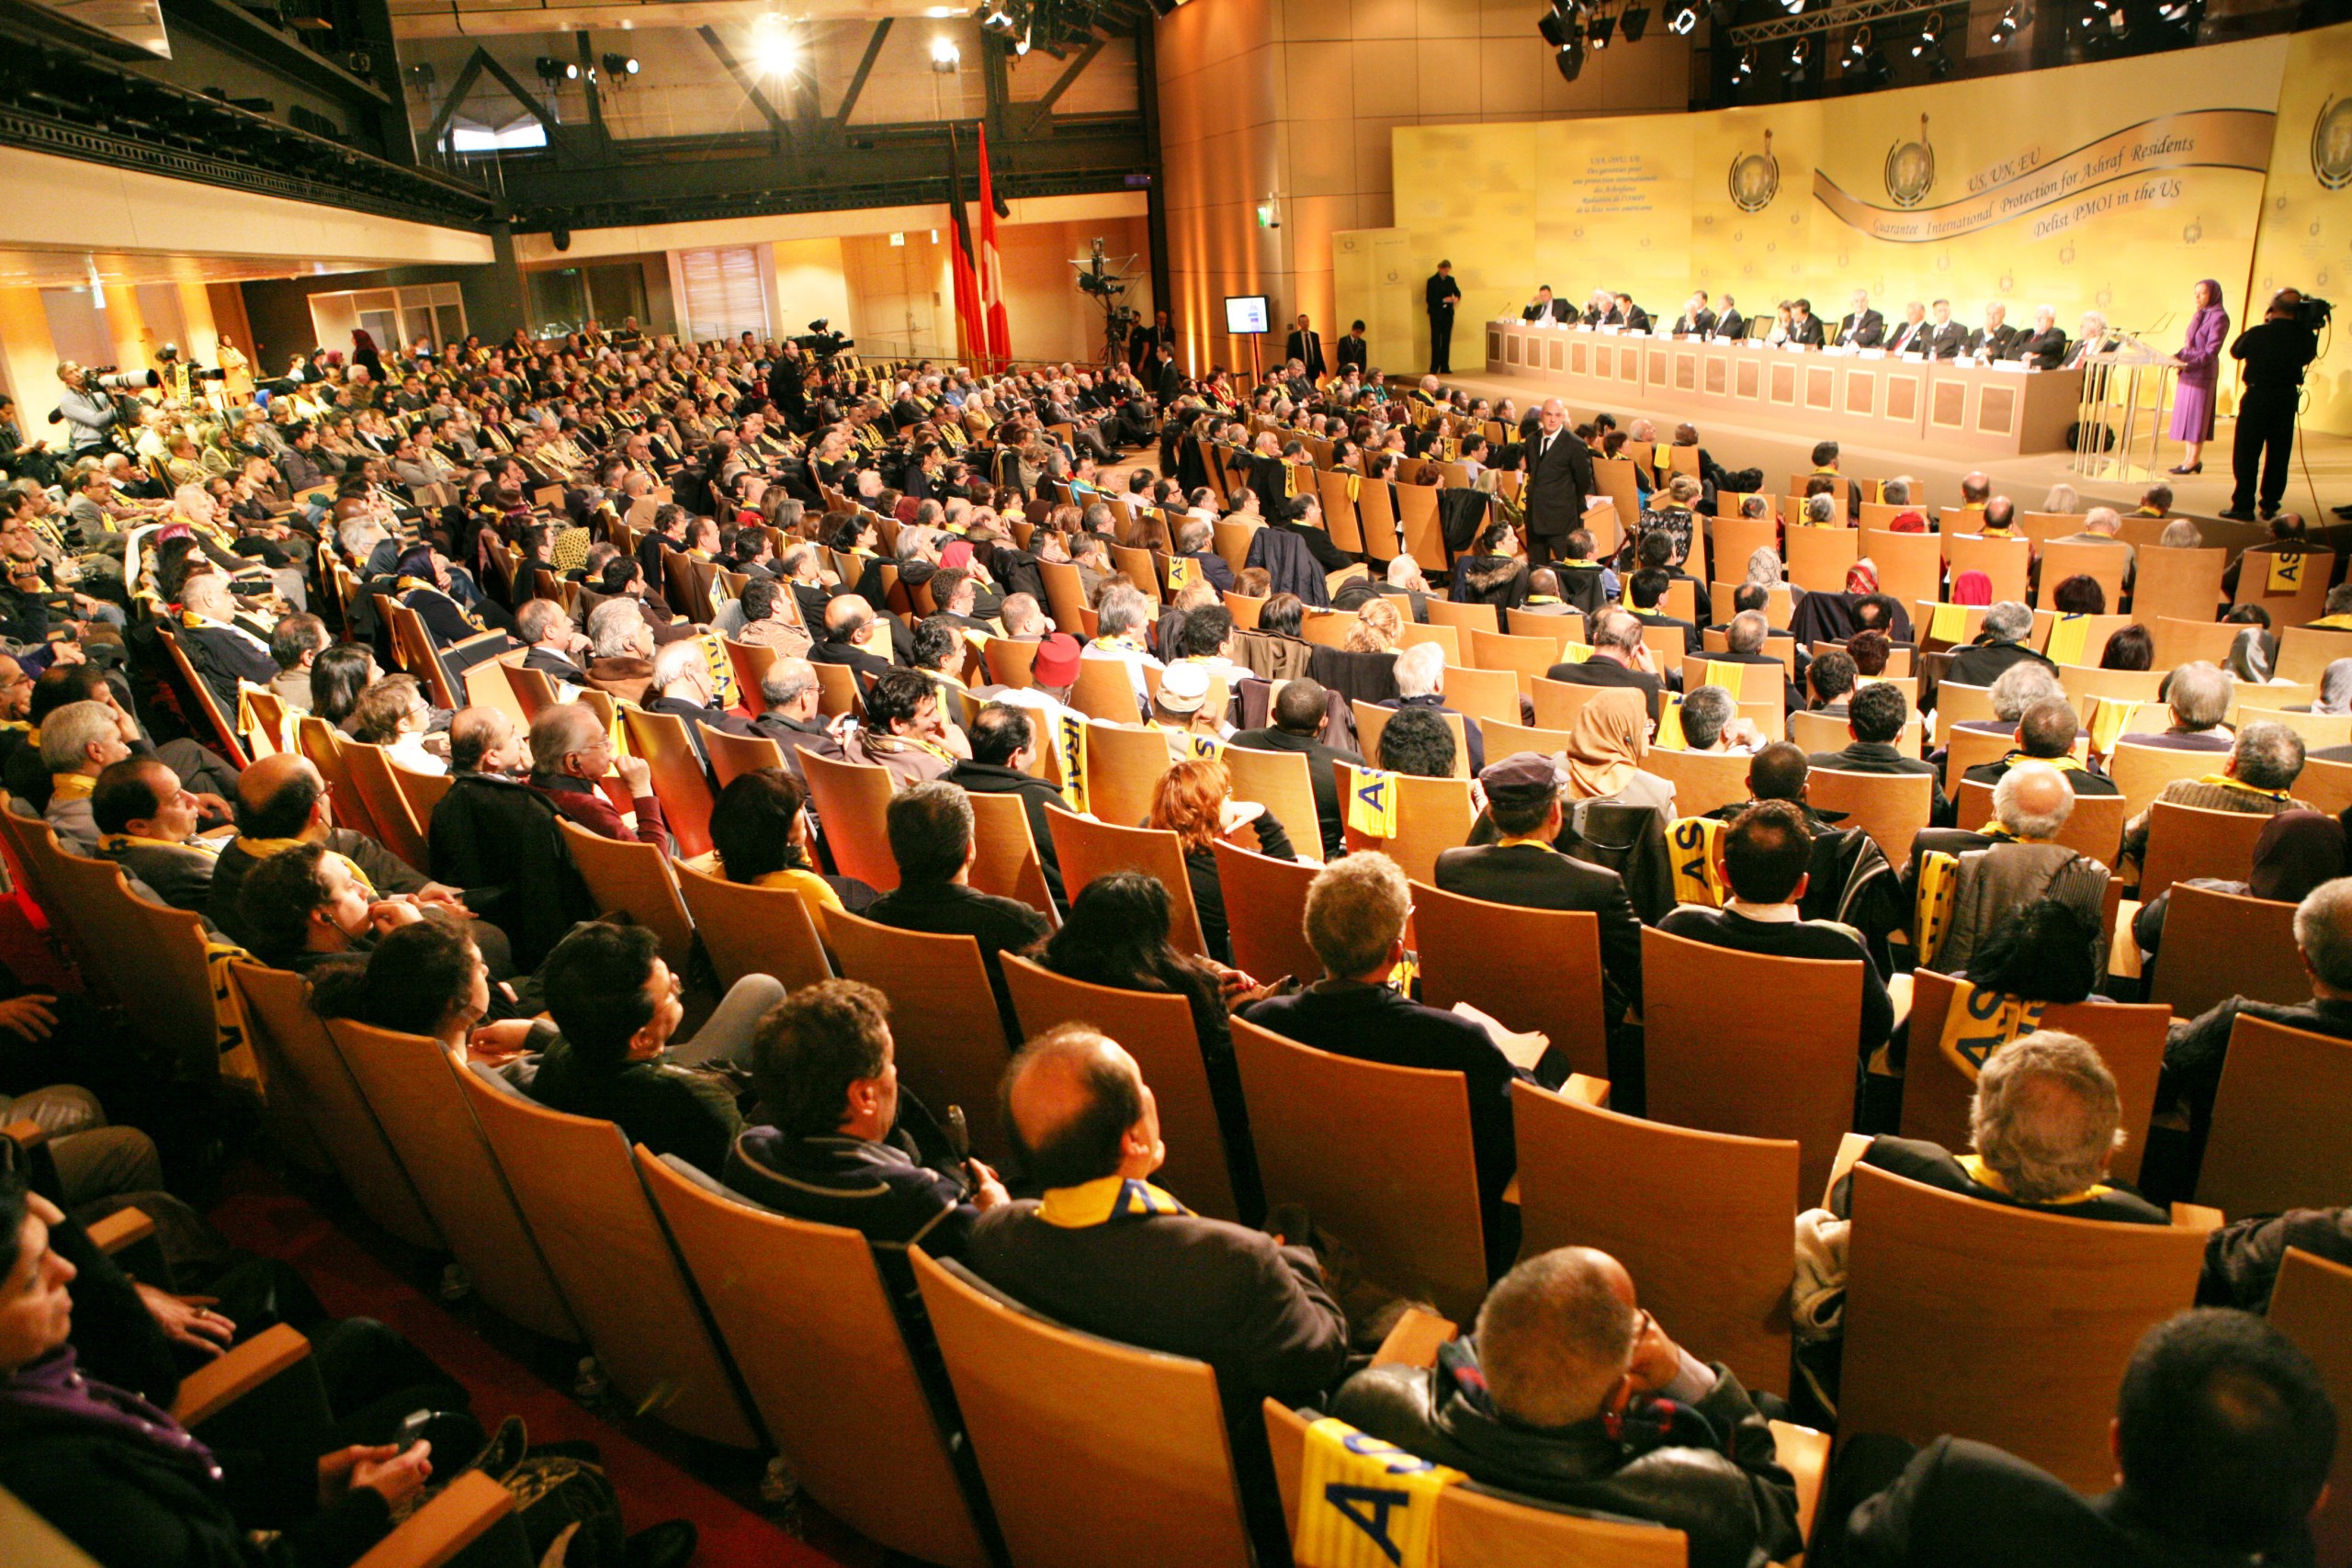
1705, 1469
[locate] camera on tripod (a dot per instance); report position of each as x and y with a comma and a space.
2313, 314
825, 344
113, 380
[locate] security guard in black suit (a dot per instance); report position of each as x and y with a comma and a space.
1353, 349
1440, 293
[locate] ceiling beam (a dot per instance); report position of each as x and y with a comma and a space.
864, 69
1044, 110
467, 74
778, 131
506, 79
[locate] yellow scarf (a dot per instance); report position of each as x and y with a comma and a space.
2225, 782
1692, 842
1986, 1176
1931, 914
71, 787
117, 842
1364, 1503
1371, 802
1980, 1021
262, 849
2069, 762
1099, 1202
2066, 638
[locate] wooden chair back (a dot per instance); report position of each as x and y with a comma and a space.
1464, 618
1758, 1046
680, 782
151, 959
1557, 703
1486, 695
1011, 663
1702, 780
732, 756
2142, 772
2317, 729
1042, 1404
397, 828
422, 792
951, 1041
2095, 827
1157, 1032
1818, 558
1124, 765
1379, 1156
2176, 584
2290, 580
1281, 782
1086, 849
1433, 816
2282, 1122
1506, 739
1891, 807
751, 661
1910, 566
753, 931
2311, 1304
575, 1182
635, 878
1953, 1305
413, 651
1372, 720
198, 693
2103, 564
2223, 945
1007, 864
1956, 703
837, 692
1559, 630
1736, 540
271, 733
2006, 561
1532, 969
2187, 841
1936, 1091
411, 1085
1107, 691
2305, 652
278, 1004
1527, 658
325, 746
1589, 1177
2089, 633
1065, 595
1265, 912
803, 1310
852, 802
2181, 639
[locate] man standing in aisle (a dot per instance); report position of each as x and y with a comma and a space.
2275, 353
1440, 292
1305, 346
1559, 477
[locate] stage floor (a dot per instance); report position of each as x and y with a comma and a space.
2025, 480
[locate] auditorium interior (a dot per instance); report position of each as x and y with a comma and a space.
876, 784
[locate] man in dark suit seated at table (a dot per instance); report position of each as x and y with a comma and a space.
2224, 1436
1300, 715
1863, 327
1804, 327
1521, 867
1947, 339
1764, 858
1105, 1252
1875, 717
1356, 909
1546, 308
1620, 658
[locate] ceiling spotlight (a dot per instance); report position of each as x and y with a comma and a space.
1794, 7
1569, 58
1747, 66
1600, 29
619, 65
1682, 20
1559, 26
2013, 20
1799, 52
552, 71
1636, 20
945, 55
1930, 34
421, 77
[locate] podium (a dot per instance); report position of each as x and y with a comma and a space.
2125, 391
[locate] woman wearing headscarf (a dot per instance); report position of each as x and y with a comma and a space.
2335, 688
2200, 374
1824, 617
1606, 748
2297, 851
1972, 587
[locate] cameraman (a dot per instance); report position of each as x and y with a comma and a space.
2274, 354
87, 408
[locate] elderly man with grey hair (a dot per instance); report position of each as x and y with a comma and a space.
2265, 761
1745, 636
77, 743
1619, 659
681, 685
621, 646
2199, 695
1421, 684
1712, 722
2000, 646
1192, 539
2014, 690
2100, 526
1121, 617
2017, 861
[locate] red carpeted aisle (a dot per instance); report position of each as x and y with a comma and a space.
352, 1281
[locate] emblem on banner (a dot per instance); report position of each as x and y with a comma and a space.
2332, 144
1755, 178
1911, 169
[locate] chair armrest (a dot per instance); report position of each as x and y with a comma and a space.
123, 1228
221, 1383
2197, 1217
1586, 1090
1414, 1341
2123, 952
1805, 1454
27, 1135
1849, 1150
461, 1515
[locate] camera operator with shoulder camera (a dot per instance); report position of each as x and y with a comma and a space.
2274, 354
87, 408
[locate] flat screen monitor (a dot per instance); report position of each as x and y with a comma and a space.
1245, 314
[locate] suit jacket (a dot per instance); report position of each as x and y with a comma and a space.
1910, 337
698, 719
2042, 350
497, 840
222, 658
1698, 326
1354, 351
1599, 671
1637, 320
1036, 795
1994, 345
1561, 310
1319, 758
1439, 294
1981, 665
1801, 939
1947, 341
1730, 326
1537, 876
1866, 331
555, 664
1557, 481
1812, 334
1308, 349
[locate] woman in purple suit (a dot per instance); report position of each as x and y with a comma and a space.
2200, 374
